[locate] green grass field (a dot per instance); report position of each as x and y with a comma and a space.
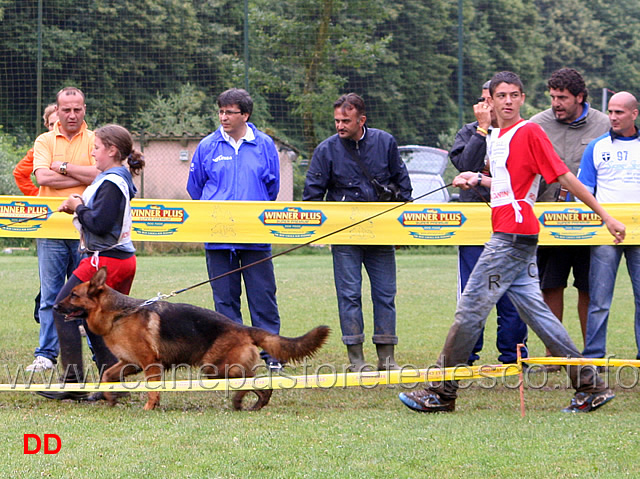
336, 433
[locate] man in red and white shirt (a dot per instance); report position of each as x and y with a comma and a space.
519, 154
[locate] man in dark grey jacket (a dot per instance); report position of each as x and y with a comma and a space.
469, 153
570, 124
337, 173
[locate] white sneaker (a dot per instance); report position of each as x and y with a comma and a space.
40, 364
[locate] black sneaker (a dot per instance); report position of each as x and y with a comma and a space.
60, 395
427, 401
99, 396
587, 402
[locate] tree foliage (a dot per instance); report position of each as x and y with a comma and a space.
186, 111
341, 40
413, 87
161, 63
9, 157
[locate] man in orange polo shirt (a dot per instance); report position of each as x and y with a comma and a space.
62, 164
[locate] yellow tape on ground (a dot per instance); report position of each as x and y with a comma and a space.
609, 362
335, 379
282, 381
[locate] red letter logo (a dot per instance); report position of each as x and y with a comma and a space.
26, 443
46, 444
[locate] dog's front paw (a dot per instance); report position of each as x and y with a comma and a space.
263, 399
111, 398
153, 399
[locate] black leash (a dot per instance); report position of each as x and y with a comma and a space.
475, 190
24, 220
399, 205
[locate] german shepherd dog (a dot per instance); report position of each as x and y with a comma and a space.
162, 334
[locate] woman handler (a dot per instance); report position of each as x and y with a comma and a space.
103, 216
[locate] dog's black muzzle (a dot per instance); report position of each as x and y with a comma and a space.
70, 314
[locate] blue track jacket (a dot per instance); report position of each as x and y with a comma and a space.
217, 173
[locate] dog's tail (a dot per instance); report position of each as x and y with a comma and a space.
290, 349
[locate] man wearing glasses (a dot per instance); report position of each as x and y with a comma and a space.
239, 162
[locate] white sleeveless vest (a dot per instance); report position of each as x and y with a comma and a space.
125, 231
501, 191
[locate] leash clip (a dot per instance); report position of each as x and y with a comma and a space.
155, 299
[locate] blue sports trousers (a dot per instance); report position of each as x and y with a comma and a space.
260, 285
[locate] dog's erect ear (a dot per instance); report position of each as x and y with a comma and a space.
99, 279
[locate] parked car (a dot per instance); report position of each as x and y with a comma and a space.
424, 183
426, 165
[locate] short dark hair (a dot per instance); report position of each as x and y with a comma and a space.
69, 90
568, 79
505, 77
351, 101
237, 96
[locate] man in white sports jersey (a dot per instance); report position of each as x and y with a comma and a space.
610, 169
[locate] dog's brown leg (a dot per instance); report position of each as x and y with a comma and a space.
115, 373
264, 395
152, 372
241, 363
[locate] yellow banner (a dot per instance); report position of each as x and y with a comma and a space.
300, 222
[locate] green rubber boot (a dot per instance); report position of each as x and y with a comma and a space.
356, 357
385, 357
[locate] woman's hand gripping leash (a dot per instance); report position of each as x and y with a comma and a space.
70, 204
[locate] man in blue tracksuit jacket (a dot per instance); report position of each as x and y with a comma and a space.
239, 162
